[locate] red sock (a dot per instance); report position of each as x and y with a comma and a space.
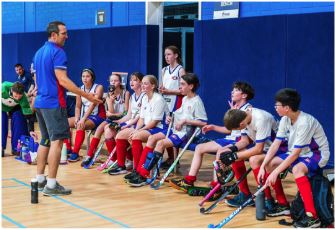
93, 146
267, 191
143, 158
170, 153
110, 143
305, 190
80, 136
213, 183
121, 151
137, 149
190, 179
239, 169
278, 188
68, 144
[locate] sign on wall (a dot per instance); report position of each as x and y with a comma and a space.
226, 10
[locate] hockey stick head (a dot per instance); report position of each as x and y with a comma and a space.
223, 172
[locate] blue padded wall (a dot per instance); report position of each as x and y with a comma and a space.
310, 66
269, 52
125, 49
247, 49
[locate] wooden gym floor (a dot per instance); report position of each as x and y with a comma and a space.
105, 201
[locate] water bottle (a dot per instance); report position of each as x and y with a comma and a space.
260, 205
34, 191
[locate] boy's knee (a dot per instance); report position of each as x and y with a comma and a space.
255, 162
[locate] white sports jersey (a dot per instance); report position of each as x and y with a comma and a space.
261, 127
85, 104
119, 103
237, 133
191, 109
153, 109
135, 104
171, 80
306, 133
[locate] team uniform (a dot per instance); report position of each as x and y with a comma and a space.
262, 129
191, 109
235, 134
50, 101
17, 109
98, 114
171, 80
153, 110
119, 104
135, 107
308, 135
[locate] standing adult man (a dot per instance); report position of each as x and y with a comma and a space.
29, 85
50, 64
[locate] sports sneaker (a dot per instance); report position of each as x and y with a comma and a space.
117, 171
86, 161
269, 205
308, 222
279, 210
57, 191
41, 186
129, 164
239, 199
130, 175
180, 184
74, 157
137, 181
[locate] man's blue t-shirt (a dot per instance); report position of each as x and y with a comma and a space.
50, 94
26, 80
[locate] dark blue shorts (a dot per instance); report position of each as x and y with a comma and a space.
310, 162
96, 119
155, 130
223, 142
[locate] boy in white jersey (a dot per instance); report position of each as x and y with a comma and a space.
241, 93
258, 128
308, 151
191, 113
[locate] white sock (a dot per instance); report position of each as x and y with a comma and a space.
51, 183
40, 178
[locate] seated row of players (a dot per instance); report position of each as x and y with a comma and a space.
90, 116
307, 150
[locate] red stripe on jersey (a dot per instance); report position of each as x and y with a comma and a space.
179, 101
61, 95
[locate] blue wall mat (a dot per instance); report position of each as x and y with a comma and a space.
9, 56
125, 49
247, 49
310, 66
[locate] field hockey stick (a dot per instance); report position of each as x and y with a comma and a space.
237, 211
156, 186
156, 169
217, 187
96, 155
105, 164
210, 208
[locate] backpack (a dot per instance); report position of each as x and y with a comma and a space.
323, 201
